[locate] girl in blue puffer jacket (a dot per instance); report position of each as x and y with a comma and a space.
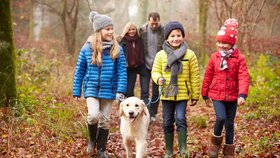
101, 71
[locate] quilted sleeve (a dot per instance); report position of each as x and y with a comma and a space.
121, 72
194, 77
157, 67
79, 74
208, 76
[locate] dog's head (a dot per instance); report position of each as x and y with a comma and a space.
132, 107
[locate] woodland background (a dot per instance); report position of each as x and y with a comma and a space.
39, 118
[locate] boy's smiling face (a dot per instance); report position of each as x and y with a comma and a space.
175, 38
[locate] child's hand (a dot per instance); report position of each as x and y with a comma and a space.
208, 102
77, 98
241, 101
193, 102
161, 81
120, 97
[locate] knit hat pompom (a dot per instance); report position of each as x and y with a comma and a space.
99, 21
228, 32
91, 16
231, 22
172, 25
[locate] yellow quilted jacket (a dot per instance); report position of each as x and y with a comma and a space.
188, 80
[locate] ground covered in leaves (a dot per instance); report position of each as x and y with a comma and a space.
39, 135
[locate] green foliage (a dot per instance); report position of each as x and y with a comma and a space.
57, 118
264, 91
37, 105
200, 121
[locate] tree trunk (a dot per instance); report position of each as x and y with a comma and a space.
8, 89
143, 12
203, 9
69, 18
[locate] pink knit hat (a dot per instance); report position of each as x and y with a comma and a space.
228, 32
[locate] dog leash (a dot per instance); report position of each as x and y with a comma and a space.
161, 90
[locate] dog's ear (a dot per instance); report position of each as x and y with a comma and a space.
121, 108
145, 109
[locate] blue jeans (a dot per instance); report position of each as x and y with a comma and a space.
145, 91
225, 114
171, 109
131, 79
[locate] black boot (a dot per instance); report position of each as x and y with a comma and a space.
102, 142
92, 132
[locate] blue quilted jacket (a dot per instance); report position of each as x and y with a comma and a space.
99, 82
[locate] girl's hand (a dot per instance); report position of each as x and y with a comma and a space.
77, 98
161, 81
208, 102
241, 101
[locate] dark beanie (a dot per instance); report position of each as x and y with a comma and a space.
172, 25
99, 21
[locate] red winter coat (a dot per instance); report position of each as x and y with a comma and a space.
228, 84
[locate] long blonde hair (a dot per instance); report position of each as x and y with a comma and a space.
97, 49
126, 29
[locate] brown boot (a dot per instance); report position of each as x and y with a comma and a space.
229, 150
216, 146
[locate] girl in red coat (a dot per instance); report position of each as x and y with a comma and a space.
226, 84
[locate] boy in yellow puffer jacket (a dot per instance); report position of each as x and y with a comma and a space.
177, 66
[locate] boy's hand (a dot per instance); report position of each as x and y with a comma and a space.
161, 81
193, 102
241, 101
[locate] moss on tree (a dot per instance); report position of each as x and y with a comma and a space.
8, 90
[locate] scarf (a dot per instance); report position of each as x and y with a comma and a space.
174, 64
134, 55
107, 44
225, 55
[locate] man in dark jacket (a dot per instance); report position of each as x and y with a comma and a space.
152, 35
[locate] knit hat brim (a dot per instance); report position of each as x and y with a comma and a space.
172, 25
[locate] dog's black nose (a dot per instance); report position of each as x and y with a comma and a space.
131, 113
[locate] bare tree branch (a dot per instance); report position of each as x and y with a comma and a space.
88, 5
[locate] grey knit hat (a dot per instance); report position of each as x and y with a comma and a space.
99, 21
172, 25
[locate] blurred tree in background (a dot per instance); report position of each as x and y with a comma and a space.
8, 88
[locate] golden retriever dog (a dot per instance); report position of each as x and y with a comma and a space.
135, 120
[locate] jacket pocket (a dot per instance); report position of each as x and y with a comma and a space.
187, 88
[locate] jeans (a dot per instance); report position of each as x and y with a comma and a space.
145, 91
225, 114
171, 109
99, 110
131, 79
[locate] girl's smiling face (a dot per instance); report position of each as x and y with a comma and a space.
107, 33
132, 31
223, 46
175, 38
